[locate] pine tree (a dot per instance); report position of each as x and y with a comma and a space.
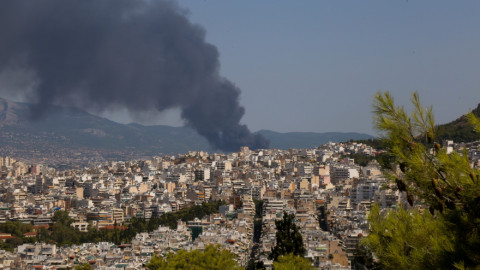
441, 228
213, 257
288, 238
292, 262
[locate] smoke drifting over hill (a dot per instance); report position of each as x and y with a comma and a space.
133, 54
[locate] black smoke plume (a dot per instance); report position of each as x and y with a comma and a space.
141, 55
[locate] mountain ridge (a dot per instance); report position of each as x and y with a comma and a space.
66, 135
459, 130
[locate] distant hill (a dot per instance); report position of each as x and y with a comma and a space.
76, 128
69, 135
309, 139
459, 130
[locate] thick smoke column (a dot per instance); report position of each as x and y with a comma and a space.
133, 54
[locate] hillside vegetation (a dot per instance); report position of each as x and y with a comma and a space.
459, 130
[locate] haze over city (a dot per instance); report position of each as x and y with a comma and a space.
315, 65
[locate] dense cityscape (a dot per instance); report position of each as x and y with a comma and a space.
239, 135
240, 196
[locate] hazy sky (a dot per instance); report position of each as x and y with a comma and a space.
315, 65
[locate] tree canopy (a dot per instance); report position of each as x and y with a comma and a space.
460, 129
292, 262
288, 238
62, 217
439, 228
213, 257
84, 266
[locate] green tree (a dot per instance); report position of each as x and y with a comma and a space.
62, 218
84, 266
323, 218
213, 257
363, 259
156, 262
441, 231
64, 234
288, 237
292, 262
361, 159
